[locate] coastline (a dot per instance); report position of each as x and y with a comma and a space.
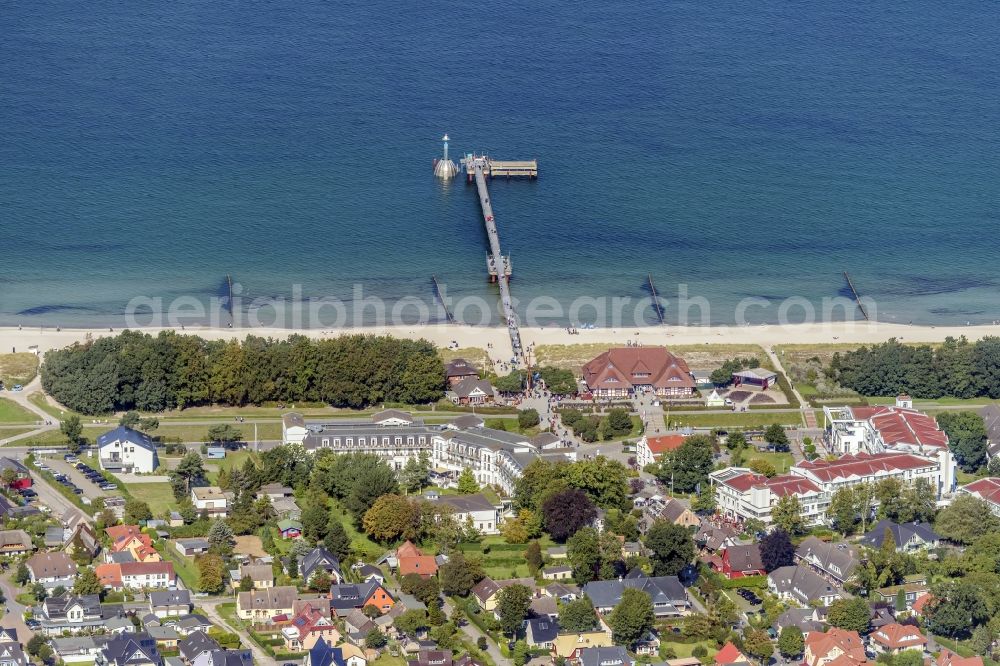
445, 334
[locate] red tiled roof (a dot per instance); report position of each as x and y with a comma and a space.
948, 658
664, 443
897, 425
987, 489
729, 654
785, 484
920, 603
863, 464
898, 636
425, 565
623, 367
820, 645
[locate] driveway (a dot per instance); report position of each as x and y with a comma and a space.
13, 617
259, 656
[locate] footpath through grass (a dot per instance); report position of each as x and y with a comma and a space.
11, 412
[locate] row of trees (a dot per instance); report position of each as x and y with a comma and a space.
957, 368
152, 373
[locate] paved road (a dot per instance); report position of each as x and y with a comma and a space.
473, 633
14, 616
259, 656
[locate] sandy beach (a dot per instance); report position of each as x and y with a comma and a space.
445, 335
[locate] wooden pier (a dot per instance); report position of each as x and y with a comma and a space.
656, 300
477, 165
500, 168
856, 296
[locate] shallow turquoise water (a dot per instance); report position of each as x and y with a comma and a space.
741, 149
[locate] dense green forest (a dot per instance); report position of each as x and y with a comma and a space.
957, 368
138, 371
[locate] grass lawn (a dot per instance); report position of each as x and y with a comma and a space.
781, 461
503, 560
386, 659
972, 403
232, 459
751, 419
18, 368
158, 496
474, 355
11, 412
39, 400
684, 649
184, 566
199, 433
573, 357
360, 542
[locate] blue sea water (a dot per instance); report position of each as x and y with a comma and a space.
741, 149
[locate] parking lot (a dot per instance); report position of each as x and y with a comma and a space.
88, 488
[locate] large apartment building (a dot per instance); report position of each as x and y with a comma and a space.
742, 494
495, 457
880, 428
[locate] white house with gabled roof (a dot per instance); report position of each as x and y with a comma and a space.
126, 450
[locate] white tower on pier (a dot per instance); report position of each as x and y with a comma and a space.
444, 167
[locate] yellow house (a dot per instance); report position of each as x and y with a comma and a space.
568, 646
259, 606
486, 591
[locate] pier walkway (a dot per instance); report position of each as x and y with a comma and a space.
498, 259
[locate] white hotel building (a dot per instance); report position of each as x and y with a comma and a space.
495, 457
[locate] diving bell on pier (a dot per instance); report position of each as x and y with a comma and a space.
444, 167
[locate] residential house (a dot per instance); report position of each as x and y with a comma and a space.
369, 571
649, 450
310, 624
224, 658
126, 450
670, 599
69, 613
210, 500
81, 537
473, 510
623, 371
21, 477
51, 569
76, 649
357, 625
131, 539
556, 553
834, 560
293, 428
196, 644
568, 646
410, 559
730, 654
741, 561
320, 559
285, 507
564, 592
324, 654
15, 542
458, 370
948, 658
613, 655
486, 590
806, 619
290, 529
11, 654
473, 392
908, 537
895, 638
188, 624
558, 572
190, 547
276, 491
912, 588
130, 649
836, 646
170, 603
540, 632
802, 585
873, 429
166, 636
677, 513
136, 575
544, 606
345, 597
713, 539
260, 606
261, 575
